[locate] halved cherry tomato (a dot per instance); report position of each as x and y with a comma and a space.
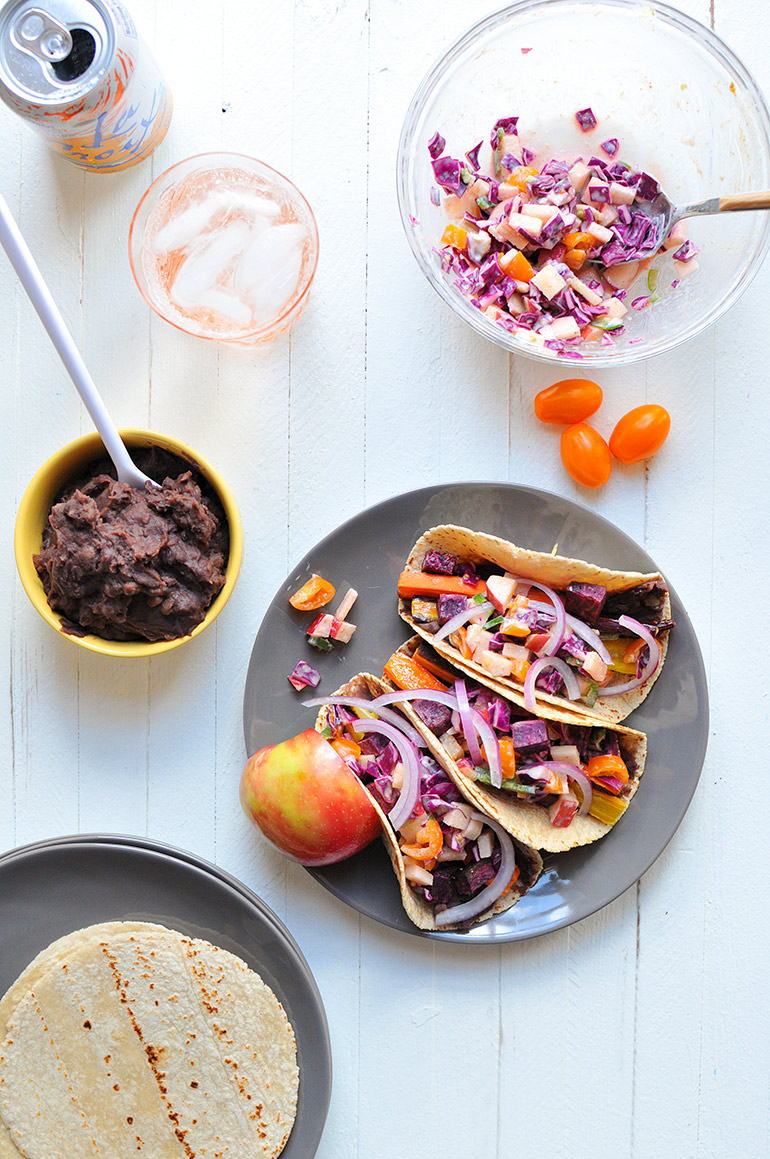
607, 766
346, 747
316, 593
640, 433
430, 842
568, 401
586, 455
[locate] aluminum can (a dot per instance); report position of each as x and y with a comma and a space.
82, 77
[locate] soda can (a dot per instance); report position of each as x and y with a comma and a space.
80, 74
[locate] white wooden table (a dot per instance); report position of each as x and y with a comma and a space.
642, 1031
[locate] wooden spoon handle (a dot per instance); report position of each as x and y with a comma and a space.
745, 201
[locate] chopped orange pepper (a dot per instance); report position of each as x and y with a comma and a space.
421, 583
430, 842
516, 266
316, 593
608, 766
513, 627
404, 673
346, 747
455, 236
520, 669
576, 239
459, 639
575, 258
507, 758
591, 333
518, 177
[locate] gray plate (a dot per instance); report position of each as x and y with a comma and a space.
54, 887
369, 552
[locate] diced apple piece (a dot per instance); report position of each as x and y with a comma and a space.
517, 652
622, 275
321, 626
477, 639
608, 216
526, 221
594, 666
578, 175
586, 292
549, 281
494, 663
504, 231
346, 603
615, 308
676, 237
500, 591
684, 269
544, 212
562, 329
563, 810
414, 871
600, 232
567, 753
621, 194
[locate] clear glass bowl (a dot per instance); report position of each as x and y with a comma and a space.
680, 102
233, 186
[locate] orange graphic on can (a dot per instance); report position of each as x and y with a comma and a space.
78, 72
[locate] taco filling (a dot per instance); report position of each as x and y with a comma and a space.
458, 862
581, 642
563, 771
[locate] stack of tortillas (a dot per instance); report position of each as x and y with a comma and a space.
128, 1039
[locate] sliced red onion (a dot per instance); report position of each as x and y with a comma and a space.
560, 627
457, 621
472, 722
436, 697
464, 708
572, 688
488, 738
586, 634
394, 718
410, 790
565, 769
496, 887
650, 667
589, 637
587, 790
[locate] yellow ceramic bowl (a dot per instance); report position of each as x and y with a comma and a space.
49, 482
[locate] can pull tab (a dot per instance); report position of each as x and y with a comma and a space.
40, 34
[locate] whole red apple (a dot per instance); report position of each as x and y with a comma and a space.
307, 802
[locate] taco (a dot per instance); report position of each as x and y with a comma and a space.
541, 629
560, 783
455, 866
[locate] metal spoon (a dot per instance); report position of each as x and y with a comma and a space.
23, 262
665, 214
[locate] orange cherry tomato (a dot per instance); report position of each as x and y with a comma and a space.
430, 842
569, 401
640, 433
586, 455
608, 766
316, 593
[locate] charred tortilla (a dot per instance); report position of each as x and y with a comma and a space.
130, 1038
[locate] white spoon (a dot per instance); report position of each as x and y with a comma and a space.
32, 280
